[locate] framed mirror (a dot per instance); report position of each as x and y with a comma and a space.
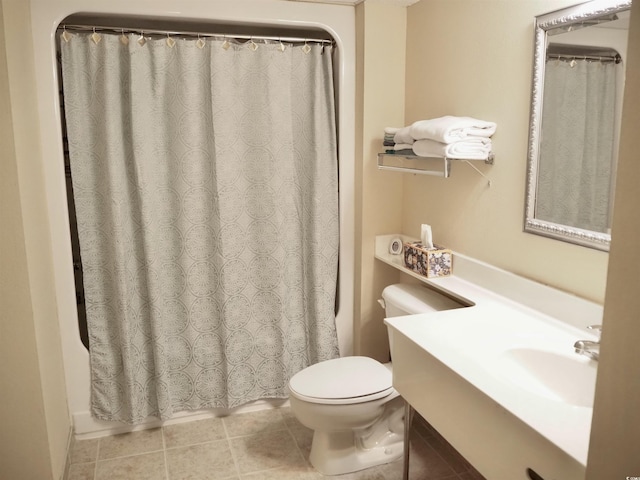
576, 106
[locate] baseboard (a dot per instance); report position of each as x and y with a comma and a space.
87, 427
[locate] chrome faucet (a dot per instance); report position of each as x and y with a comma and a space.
589, 348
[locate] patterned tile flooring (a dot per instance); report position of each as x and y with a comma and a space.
262, 445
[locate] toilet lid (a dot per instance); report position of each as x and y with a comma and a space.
343, 378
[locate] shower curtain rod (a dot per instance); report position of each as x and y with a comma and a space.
582, 52
603, 59
176, 33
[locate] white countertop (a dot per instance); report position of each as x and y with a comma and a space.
470, 341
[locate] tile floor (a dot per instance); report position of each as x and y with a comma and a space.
263, 445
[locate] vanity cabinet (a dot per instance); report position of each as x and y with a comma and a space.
499, 379
492, 439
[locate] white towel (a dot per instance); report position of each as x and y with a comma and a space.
450, 129
403, 135
391, 130
402, 146
474, 148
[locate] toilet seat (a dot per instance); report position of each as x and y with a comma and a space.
346, 380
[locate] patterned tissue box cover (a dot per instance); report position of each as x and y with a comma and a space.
435, 262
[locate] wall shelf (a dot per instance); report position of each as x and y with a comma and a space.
435, 166
396, 261
440, 284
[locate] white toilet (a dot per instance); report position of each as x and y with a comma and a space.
349, 402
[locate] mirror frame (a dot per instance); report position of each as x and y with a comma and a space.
557, 19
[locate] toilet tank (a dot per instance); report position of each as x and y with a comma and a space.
407, 299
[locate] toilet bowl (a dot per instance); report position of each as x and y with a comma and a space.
354, 411
350, 404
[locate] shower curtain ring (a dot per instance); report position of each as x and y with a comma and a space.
200, 42
306, 48
226, 43
66, 36
141, 39
95, 36
170, 41
123, 38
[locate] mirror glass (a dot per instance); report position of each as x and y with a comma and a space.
576, 106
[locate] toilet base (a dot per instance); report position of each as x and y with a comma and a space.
336, 453
340, 452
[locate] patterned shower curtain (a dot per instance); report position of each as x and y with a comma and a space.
206, 189
577, 148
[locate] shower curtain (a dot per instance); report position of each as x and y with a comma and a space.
206, 187
576, 152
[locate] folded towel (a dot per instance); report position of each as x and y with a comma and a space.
388, 143
391, 130
449, 129
403, 135
405, 152
473, 148
402, 146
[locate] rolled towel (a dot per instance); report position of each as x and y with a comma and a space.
474, 148
450, 129
403, 136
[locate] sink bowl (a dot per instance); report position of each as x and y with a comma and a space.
564, 378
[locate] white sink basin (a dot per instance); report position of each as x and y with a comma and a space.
564, 378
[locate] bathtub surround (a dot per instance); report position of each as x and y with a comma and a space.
206, 190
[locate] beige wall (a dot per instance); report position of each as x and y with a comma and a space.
33, 409
381, 57
463, 57
474, 58
23, 434
615, 435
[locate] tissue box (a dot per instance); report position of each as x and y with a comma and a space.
433, 262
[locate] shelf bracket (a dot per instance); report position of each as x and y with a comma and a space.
481, 174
